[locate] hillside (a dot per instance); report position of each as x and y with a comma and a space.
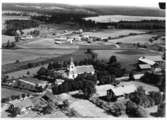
83, 10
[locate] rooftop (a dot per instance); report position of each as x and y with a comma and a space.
119, 90
147, 61
85, 68
33, 80
154, 58
144, 66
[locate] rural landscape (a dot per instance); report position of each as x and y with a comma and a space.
67, 61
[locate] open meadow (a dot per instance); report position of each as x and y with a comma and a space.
142, 39
10, 56
113, 32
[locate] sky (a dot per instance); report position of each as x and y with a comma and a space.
138, 3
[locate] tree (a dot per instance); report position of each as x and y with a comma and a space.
42, 71
11, 108
161, 110
140, 98
28, 73
66, 103
47, 110
157, 97
88, 89
117, 109
112, 60
133, 110
5, 100
15, 112
23, 95
17, 61
131, 76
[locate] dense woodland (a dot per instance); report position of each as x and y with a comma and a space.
13, 25
62, 18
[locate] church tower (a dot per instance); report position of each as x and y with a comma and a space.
72, 70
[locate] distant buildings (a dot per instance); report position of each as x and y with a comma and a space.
74, 71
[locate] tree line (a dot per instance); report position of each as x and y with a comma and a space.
13, 25
86, 24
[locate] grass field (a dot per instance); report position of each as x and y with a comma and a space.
77, 56
134, 39
21, 73
10, 56
113, 33
5, 92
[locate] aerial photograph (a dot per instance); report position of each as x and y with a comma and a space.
63, 60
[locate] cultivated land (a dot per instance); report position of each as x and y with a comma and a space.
113, 32
117, 18
134, 39
5, 92
10, 56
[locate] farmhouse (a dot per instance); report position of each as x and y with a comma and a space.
74, 71
30, 83
115, 91
151, 60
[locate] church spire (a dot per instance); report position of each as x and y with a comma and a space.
71, 61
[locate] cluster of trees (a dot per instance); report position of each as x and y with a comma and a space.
9, 45
34, 33
48, 75
155, 79
88, 87
133, 110
120, 108
140, 98
105, 69
144, 24
78, 19
14, 111
13, 25
14, 97
146, 100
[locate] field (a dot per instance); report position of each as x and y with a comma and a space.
45, 43
117, 18
113, 33
21, 73
127, 58
134, 39
10, 56
88, 109
5, 92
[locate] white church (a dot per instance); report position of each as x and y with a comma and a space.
74, 71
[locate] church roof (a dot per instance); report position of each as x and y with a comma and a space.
84, 68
